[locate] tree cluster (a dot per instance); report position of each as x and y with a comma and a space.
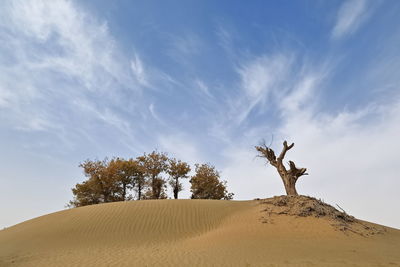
145, 177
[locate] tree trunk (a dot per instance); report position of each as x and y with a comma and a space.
176, 188
124, 192
288, 180
290, 185
139, 191
153, 188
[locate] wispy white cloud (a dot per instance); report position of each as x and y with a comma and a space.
57, 54
71, 41
260, 79
204, 89
155, 115
300, 95
350, 16
138, 71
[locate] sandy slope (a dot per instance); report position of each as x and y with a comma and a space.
189, 233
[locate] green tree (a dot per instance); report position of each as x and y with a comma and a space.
177, 170
206, 184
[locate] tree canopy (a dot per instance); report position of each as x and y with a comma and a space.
177, 170
144, 177
206, 184
154, 164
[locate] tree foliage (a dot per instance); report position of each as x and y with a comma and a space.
144, 177
177, 170
107, 181
101, 185
154, 164
206, 184
126, 173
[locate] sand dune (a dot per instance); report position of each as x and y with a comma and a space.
191, 233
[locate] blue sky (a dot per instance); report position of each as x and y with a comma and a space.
204, 81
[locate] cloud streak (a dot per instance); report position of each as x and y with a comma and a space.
65, 67
139, 72
350, 16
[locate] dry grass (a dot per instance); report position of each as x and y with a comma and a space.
195, 233
305, 206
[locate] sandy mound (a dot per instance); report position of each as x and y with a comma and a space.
305, 206
198, 233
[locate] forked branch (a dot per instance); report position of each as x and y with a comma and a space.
284, 150
289, 177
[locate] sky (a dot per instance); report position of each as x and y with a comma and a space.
204, 81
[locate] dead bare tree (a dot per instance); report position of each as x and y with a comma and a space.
289, 177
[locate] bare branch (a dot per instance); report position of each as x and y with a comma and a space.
268, 153
296, 172
284, 150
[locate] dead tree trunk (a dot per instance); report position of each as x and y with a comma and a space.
289, 177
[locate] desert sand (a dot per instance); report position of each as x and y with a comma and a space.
192, 233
